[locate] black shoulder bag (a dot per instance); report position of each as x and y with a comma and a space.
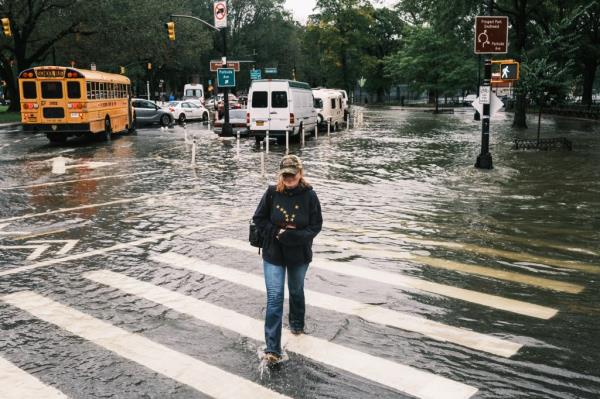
255, 236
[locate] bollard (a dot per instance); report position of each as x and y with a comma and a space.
348, 122
267, 142
59, 165
302, 139
287, 141
238, 145
194, 151
262, 164
316, 131
328, 126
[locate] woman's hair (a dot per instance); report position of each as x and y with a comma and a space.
280, 186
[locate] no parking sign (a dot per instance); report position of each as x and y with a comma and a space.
220, 8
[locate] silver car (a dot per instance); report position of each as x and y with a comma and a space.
147, 112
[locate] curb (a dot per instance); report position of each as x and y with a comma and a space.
9, 124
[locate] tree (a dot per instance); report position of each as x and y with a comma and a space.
433, 62
37, 25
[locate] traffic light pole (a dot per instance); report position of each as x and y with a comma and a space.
484, 160
227, 131
226, 125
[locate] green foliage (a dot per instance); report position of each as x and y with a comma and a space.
432, 62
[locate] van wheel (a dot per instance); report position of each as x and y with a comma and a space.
165, 120
258, 140
336, 128
205, 117
181, 118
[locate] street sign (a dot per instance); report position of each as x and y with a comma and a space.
495, 105
220, 8
226, 77
491, 35
484, 94
362, 81
214, 65
271, 71
509, 71
255, 74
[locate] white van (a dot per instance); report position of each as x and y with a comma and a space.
329, 106
345, 104
193, 91
277, 106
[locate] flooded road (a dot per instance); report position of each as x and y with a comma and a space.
130, 275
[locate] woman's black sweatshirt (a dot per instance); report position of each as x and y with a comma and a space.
299, 206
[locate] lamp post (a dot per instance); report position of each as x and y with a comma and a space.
484, 159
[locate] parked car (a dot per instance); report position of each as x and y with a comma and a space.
147, 112
277, 106
468, 99
185, 110
329, 106
238, 121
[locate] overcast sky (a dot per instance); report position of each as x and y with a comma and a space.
303, 8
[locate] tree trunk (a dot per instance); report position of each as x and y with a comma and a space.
539, 125
520, 120
589, 75
437, 107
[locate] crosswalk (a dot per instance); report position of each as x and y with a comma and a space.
219, 382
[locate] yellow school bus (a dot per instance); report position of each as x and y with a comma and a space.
63, 102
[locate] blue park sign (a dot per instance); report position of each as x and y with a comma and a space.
226, 77
255, 74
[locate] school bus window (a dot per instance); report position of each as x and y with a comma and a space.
96, 90
51, 90
29, 90
73, 90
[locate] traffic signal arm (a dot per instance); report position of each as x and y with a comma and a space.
6, 27
171, 30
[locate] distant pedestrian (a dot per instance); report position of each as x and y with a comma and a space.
289, 218
171, 97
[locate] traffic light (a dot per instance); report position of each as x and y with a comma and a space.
149, 66
171, 30
122, 70
6, 27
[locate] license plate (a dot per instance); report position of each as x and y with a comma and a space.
74, 115
260, 123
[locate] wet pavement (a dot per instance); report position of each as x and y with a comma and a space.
130, 275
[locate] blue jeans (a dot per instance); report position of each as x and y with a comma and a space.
275, 282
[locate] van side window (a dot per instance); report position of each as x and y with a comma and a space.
279, 99
333, 103
260, 99
318, 103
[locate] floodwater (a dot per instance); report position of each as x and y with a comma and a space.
413, 234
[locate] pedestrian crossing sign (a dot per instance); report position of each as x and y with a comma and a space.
509, 71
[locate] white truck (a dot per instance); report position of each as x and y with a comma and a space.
277, 106
330, 108
193, 92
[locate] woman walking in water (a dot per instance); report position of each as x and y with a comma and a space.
289, 218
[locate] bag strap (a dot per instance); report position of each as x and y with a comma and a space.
270, 192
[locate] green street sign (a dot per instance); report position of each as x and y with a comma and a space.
255, 74
226, 77
271, 70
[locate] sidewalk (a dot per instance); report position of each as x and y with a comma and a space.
9, 124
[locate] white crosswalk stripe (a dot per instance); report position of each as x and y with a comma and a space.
182, 368
403, 378
402, 281
17, 384
372, 313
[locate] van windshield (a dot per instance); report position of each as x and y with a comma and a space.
260, 99
193, 93
279, 99
318, 103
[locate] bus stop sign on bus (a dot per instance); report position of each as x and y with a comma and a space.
226, 77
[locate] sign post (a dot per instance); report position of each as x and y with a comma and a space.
226, 77
491, 37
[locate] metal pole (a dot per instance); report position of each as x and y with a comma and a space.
287, 141
238, 145
262, 164
477, 117
148, 89
316, 132
484, 160
328, 126
226, 126
267, 142
302, 137
194, 151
